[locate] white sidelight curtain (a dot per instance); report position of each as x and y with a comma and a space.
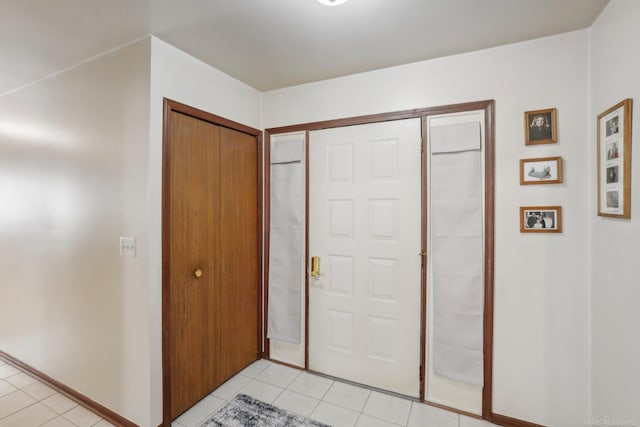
457, 251
286, 250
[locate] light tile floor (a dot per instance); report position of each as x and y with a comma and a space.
331, 402
26, 402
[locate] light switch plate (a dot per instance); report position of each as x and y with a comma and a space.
128, 246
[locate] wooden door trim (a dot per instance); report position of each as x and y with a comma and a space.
489, 261
266, 248
423, 250
306, 252
170, 106
488, 107
266, 348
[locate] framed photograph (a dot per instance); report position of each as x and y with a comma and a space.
544, 170
614, 161
541, 219
540, 127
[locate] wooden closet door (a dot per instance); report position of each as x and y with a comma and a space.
212, 179
194, 191
239, 249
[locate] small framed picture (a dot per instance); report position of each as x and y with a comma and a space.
544, 170
540, 127
614, 161
541, 219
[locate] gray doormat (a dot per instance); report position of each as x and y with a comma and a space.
245, 411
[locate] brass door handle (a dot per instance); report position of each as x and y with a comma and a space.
198, 273
315, 266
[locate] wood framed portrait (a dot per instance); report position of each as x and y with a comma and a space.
543, 170
614, 161
540, 127
541, 219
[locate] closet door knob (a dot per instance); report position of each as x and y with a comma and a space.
198, 273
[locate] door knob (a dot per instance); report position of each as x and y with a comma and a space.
198, 273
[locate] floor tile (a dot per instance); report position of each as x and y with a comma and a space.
261, 391
200, 411
422, 415
367, 421
294, 402
229, 389
334, 416
176, 424
278, 375
81, 417
255, 368
59, 422
474, 422
6, 388
347, 396
7, 371
389, 408
59, 403
39, 391
21, 380
104, 423
14, 402
33, 415
311, 385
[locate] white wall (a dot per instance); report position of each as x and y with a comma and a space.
73, 174
80, 166
615, 67
180, 77
541, 297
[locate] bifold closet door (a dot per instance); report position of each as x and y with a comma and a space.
212, 211
364, 225
239, 269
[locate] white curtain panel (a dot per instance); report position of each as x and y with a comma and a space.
286, 248
456, 252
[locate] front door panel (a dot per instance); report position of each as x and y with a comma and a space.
365, 225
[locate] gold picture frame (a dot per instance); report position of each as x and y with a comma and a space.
543, 170
541, 219
540, 127
614, 160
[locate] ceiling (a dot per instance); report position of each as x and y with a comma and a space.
270, 44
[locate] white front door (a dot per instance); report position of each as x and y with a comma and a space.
365, 225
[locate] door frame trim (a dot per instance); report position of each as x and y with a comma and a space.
170, 106
488, 106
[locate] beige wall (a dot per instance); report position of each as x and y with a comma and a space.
73, 177
80, 166
541, 292
615, 287
181, 77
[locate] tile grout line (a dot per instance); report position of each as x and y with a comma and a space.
344, 407
304, 395
328, 388
322, 396
37, 401
37, 380
364, 406
410, 412
24, 407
